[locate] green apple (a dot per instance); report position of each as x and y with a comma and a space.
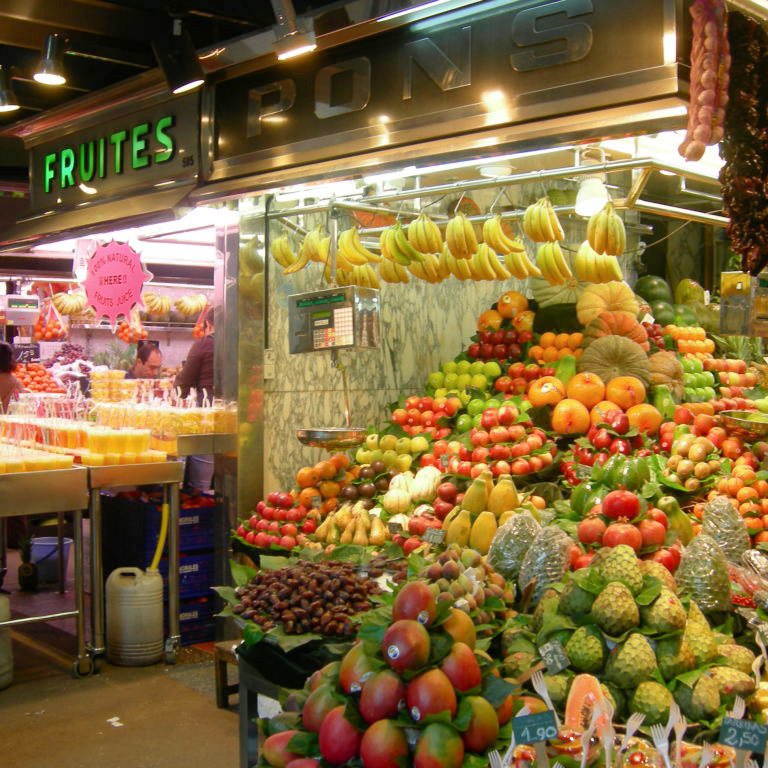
476, 367
762, 405
464, 423
387, 442
463, 366
711, 394
463, 380
450, 380
449, 367
688, 394
477, 420
403, 462
464, 396
419, 444
697, 365
403, 445
436, 379
475, 406
362, 456
372, 442
441, 392
492, 403
701, 394
375, 455
479, 381
389, 458
491, 369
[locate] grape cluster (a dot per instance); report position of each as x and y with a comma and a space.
70, 353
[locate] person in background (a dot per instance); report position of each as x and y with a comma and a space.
197, 374
148, 363
10, 386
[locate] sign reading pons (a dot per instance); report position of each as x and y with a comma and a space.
115, 280
149, 148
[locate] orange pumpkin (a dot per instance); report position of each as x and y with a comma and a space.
616, 323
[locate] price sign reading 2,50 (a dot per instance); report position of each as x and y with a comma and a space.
535, 728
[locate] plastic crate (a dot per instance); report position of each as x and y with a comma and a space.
196, 574
197, 632
196, 526
196, 620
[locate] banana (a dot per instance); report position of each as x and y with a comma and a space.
554, 222
558, 259
348, 251
301, 261
404, 246
451, 262
460, 236
416, 268
497, 265
475, 267
515, 266
545, 222
391, 249
546, 260
606, 233
402, 273
424, 234
372, 277
485, 254
494, 235
280, 250
432, 268
443, 268
612, 269
617, 236
583, 263
462, 267
386, 272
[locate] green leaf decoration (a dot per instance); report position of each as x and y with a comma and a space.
252, 634
241, 574
227, 594
589, 580
353, 716
650, 591
440, 646
287, 643
286, 721
303, 743
496, 690
463, 715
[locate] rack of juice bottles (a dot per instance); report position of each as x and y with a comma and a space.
108, 385
99, 434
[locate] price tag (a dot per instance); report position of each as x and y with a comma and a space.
648, 319
394, 528
582, 471
444, 460
534, 728
27, 353
434, 535
743, 734
317, 502
554, 656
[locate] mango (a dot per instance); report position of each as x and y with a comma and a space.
381, 696
384, 745
440, 746
483, 725
429, 694
339, 740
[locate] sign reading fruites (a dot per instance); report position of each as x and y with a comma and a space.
115, 280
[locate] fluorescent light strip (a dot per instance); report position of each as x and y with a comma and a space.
413, 9
475, 9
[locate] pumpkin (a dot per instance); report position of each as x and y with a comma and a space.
653, 288
613, 356
546, 295
605, 297
616, 324
667, 370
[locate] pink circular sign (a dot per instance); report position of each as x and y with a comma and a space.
115, 280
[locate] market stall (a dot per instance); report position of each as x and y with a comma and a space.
518, 497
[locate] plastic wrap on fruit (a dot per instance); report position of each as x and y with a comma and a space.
511, 542
756, 561
703, 575
724, 524
546, 560
640, 753
691, 756
568, 744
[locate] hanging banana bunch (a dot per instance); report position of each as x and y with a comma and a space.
554, 268
281, 252
460, 236
606, 233
424, 235
352, 249
540, 222
593, 267
391, 272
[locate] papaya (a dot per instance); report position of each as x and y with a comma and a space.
584, 695
482, 532
504, 496
476, 498
458, 531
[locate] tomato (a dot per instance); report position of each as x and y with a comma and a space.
622, 533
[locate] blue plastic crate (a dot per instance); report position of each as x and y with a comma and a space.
197, 632
196, 574
196, 528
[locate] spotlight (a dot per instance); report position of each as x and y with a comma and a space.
592, 195
177, 58
292, 39
50, 69
8, 100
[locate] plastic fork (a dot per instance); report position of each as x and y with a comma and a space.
494, 758
661, 742
756, 665
739, 707
540, 686
608, 732
586, 738
707, 753
507, 759
634, 721
680, 726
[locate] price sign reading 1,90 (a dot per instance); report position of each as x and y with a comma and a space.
743, 734
534, 728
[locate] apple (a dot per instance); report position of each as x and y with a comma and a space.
253, 520
490, 418
484, 337
262, 525
480, 453
532, 371
417, 525
260, 506
309, 525
473, 351
520, 467
514, 351
519, 386
410, 544
524, 337
268, 513
486, 351
515, 370
464, 468
507, 414
481, 437
442, 507
502, 384
261, 540
497, 337
477, 469
289, 529
499, 452
287, 542
499, 435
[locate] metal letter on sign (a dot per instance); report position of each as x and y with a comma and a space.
576, 37
446, 74
286, 90
360, 68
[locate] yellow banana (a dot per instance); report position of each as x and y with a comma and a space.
312, 245
497, 265
443, 268
404, 246
300, 263
545, 260
280, 250
554, 222
348, 251
391, 249
485, 255
402, 273
463, 269
416, 268
583, 263
373, 278
617, 237
357, 244
451, 262
424, 234
460, 236
475, 268
515, 266
545, 222
431, 267
612, 269
606, 233
559, 262
494, 235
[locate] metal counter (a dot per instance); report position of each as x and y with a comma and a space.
53, 492
169, 474
203, 445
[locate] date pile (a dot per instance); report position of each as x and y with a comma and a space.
743, 177
316, 597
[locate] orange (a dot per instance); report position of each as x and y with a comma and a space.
330, 504
490, 320
746, 494
307, 496
761, 537
511, 303
547, 339
564, 352
328, 489
749, 508
561, 340
761, 486
538, 502
587, 388
722, 485
597, 414
747, 474
754, 525
306, 477
575, 340
523, 321
536, 353
547, 390
550, 354
645, 417
578, 352
735, 484
325, 470
626, 391
340, 461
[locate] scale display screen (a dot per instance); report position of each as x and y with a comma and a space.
22, 302
333, 319
19, 310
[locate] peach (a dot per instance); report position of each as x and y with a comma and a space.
645, 417
570, 417
548, 390
626, 391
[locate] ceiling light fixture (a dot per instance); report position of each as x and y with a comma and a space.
592, 195
8, 100
50, 68
412, 9
292, 39
177, 58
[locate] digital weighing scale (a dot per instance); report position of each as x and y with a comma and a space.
19, 310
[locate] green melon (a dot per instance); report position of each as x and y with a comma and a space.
684, 315
688, 291
663, 312
653, 288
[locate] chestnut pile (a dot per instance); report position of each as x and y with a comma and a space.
316, 597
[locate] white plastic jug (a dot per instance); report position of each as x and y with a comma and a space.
134, 617
6, 657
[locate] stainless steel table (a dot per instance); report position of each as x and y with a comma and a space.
202, 445
169, 474
52, 492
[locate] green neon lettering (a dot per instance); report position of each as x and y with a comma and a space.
164, 139
67, 167
117, 139
86, 161
102, 158
48, 171
138, 145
